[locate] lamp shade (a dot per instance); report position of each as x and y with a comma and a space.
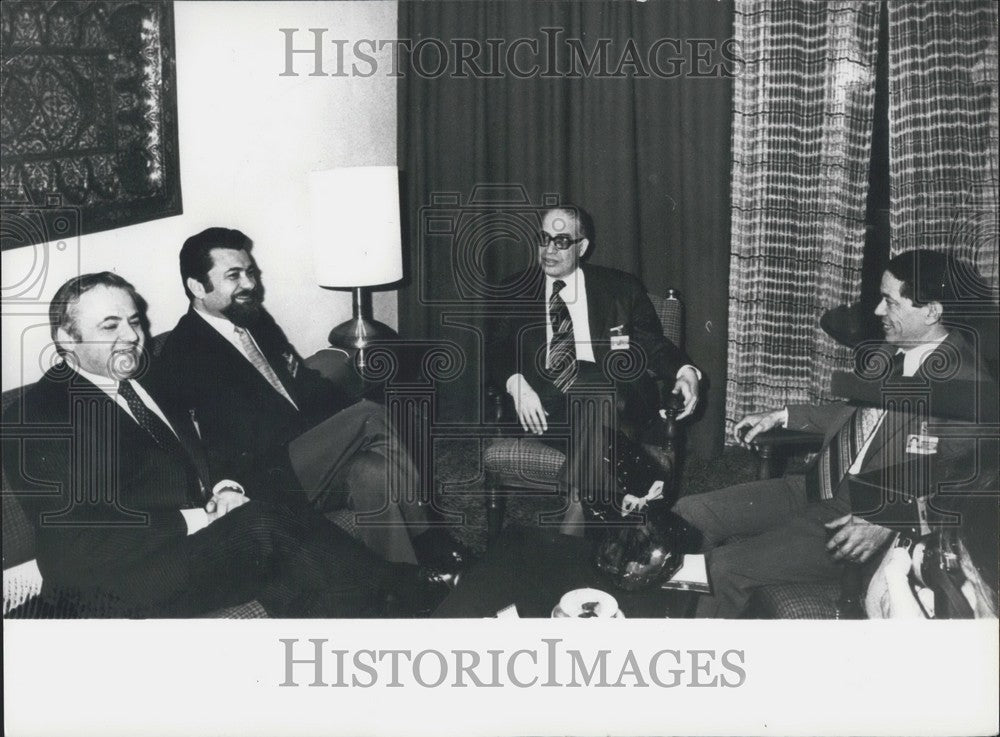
354, 217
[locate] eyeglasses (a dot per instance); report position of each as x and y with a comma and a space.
561, 241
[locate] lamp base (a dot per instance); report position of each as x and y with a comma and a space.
356, 336
358, 332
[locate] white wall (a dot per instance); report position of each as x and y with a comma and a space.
247, 139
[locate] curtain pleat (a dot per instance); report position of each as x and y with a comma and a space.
647, 156
803, 111
943, 129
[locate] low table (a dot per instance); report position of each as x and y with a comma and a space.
532, 567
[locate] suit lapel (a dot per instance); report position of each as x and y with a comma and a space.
229, 361
891, 436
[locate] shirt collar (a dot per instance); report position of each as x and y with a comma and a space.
222, 325
573, 281
105, 383
915, 355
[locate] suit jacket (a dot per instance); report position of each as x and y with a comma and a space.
102, 495
243, 421
887, 460
614, 298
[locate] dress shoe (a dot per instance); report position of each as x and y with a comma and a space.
418, 591
437, 549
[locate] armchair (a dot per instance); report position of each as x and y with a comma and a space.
523, 464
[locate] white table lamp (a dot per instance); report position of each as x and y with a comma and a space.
356, 243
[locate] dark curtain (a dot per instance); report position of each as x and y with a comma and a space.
645, 150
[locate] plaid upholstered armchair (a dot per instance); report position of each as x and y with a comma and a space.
523, 465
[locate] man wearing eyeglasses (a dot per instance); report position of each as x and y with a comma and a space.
586, 330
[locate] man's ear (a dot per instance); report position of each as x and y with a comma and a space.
934, 311
64, 340
583, 246
196, 287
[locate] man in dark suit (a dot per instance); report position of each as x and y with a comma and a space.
130, 519
576, 330
768, 532
263, 414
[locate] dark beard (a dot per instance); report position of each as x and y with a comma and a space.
243, 314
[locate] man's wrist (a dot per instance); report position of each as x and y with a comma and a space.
783, 419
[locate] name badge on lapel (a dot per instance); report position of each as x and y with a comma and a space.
291, 363
619, 341
922, 443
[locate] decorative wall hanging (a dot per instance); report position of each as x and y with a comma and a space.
88, 118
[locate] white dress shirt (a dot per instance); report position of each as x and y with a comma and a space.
574, 294
227, 330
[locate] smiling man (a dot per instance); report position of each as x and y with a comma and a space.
130, 519
265, 416
775, 531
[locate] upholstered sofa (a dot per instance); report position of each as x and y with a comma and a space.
22, 580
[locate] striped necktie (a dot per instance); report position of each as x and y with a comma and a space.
562, 349
825, 474
260, 363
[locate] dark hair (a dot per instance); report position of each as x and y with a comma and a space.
60, 308
927, 276
583, 220
196, 257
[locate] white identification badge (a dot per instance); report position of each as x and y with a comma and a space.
922, 443
619, 341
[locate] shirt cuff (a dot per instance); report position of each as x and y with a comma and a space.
689, 366
195, 519
784, 417
227, 485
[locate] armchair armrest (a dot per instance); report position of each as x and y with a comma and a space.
778, 443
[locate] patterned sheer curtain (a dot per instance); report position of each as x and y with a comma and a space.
803, 110
943, 128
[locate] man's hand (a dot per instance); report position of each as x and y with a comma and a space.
223, 502
687, 387
856, 539
756, 423
529, 408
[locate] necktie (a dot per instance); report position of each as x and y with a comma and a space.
149, 420
832, 465
163, 435
260, 363
562, 349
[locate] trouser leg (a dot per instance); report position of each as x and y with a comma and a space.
354, 460
743, 510
793, 552
295, 563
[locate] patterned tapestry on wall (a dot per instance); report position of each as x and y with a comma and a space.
944, 135
88, 129
802, 125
